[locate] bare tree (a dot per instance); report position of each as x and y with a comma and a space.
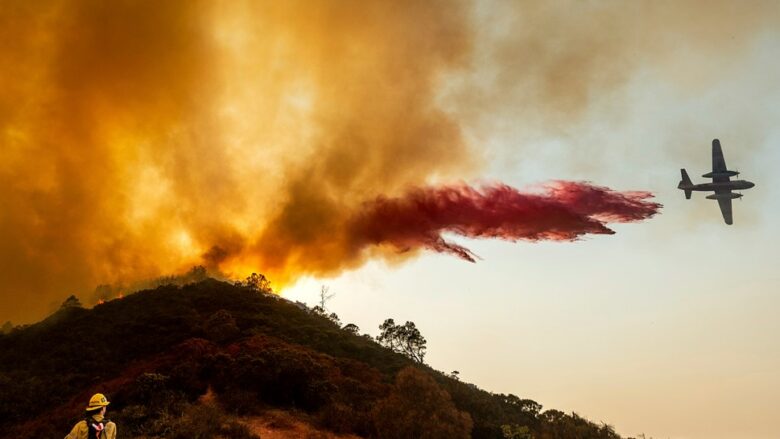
325, 296
321, 310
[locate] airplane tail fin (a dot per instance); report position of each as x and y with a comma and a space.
685, 184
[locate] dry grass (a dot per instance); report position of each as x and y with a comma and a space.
278, 424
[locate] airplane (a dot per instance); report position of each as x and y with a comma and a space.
721, 183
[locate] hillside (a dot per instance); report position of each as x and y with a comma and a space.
211, 359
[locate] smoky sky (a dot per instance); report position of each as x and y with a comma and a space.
141, 138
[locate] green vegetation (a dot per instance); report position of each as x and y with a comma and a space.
157, 352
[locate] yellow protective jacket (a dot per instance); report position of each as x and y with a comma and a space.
80, 430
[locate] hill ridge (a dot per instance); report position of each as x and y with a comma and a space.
158, 351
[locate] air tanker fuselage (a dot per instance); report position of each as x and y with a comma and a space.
736, 185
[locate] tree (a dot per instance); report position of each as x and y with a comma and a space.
322, 310
325, 296
256, 282
221, 326
71, 302
351, 328
333, 317
388, 335
405, 339
556, 423
515, 431
7, 328
528, 406
417, 407
196, 274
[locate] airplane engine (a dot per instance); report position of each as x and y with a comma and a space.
728, 196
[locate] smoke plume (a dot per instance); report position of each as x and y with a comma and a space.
141, 138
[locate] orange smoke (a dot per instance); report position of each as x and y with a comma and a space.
141, 138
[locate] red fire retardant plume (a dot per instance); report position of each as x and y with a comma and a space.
562, 211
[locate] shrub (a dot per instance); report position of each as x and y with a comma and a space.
206, 421
417, 407
221, 327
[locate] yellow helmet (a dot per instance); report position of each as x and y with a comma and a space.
97, 401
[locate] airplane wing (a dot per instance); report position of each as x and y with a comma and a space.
725, 209
718, 162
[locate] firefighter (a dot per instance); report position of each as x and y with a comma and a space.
95, 424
